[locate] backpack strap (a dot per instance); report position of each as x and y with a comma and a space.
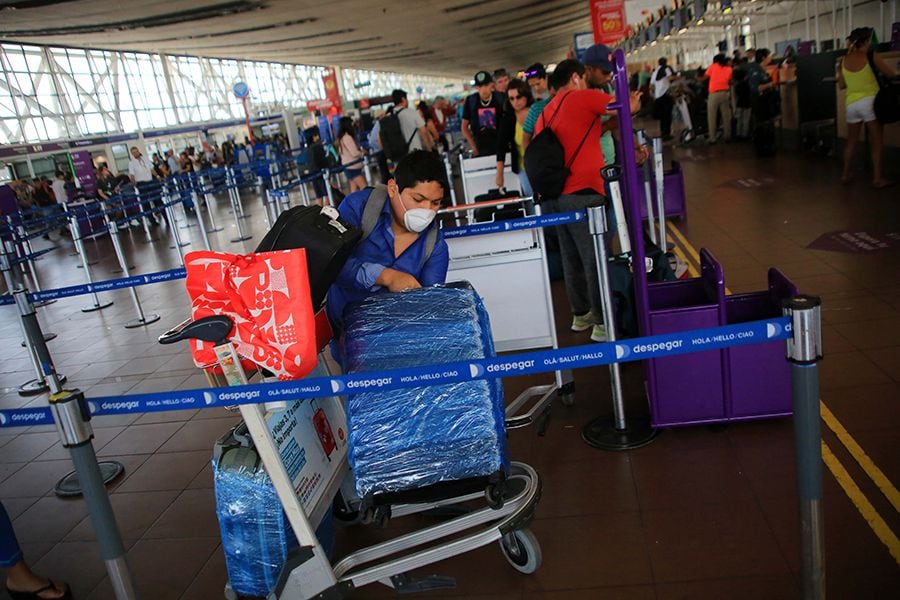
578, 149
555, 112
430, 243
372, 210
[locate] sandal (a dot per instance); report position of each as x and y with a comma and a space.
36, 594
883, 183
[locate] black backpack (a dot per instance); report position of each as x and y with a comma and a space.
393, 142
545, 160
329, 242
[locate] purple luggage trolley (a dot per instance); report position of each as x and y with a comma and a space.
673, 194
739, 383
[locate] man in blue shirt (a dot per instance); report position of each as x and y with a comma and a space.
404, 249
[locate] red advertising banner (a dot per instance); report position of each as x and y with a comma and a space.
331, 89
608, 19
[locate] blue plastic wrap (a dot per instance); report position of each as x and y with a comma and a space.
408, 439
256, 534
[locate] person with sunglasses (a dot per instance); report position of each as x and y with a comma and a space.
536, 78
511, 132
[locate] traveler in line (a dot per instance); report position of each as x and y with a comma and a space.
719, 101
511, 133
501, 80
856, 77
351, 154
577, 127
411, 123
536, 77
660, 81
481, 115
140, 171
21, 582
427, 115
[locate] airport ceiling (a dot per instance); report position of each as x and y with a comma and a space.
445, 37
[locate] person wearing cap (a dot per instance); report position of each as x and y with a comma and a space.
574, 116
501, 80
536, 78
481, 115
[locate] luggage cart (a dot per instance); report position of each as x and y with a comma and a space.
308, 572
478, 175
506, 267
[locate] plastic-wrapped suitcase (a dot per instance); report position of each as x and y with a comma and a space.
256, 534
428, 442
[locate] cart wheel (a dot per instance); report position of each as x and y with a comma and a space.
342, 512
493, 493
522, 550
230, 594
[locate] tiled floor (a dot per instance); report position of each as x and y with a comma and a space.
702, 512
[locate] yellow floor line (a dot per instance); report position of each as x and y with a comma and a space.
865, 508
690, 264
856, 496
874, 473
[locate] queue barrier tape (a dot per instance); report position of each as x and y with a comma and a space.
136, 280
525, 363
100, 286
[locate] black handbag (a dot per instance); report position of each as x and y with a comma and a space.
887, 100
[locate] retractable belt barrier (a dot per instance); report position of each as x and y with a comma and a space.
525, 363
450, 232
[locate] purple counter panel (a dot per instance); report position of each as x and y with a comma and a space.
758, 378
673, 193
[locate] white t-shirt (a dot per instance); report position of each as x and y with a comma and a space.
139, 168
410, 122
59, 190
661, 86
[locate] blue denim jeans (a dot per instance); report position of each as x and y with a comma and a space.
10, 553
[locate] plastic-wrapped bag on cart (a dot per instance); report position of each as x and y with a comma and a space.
417, 438
256, 534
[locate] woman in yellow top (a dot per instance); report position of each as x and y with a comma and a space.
855, 75
510, 134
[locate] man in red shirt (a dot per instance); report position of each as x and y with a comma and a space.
719, 75
578, 128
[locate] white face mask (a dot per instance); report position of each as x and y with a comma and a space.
417, 220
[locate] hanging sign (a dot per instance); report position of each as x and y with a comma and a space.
332, 92
608, 20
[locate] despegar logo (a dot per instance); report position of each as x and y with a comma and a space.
656, 347
243, 395
369, 383
126, 405
520, 365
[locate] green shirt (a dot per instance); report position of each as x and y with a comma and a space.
533, 113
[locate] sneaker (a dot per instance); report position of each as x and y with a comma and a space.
582, 322
598, 333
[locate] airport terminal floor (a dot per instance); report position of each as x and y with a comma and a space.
702, 512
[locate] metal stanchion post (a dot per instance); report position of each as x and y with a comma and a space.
367, 170
235, 194
170, 213
36, 385
237, 217
200, 222
120, 255
449, 171
648, 195
660, 187
804, 351
145, 220
213, 226
270, 205
23, 235
602, 432
72, 422
76, 239
304, 193
325, 178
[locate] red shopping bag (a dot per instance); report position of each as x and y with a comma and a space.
267, 295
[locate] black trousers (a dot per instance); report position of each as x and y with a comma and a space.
662, 109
